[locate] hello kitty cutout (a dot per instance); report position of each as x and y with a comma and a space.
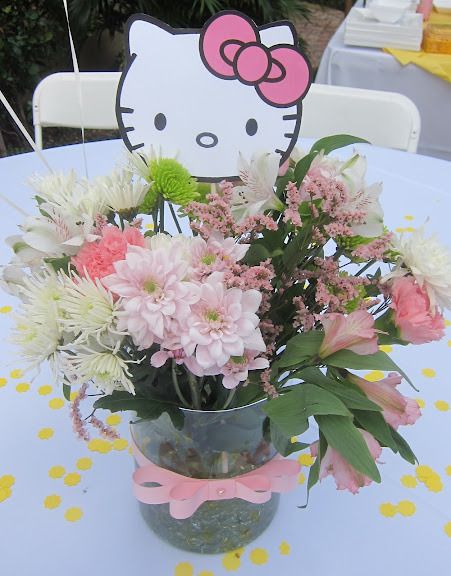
204, 96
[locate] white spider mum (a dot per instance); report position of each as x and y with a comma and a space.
104, 367
90, 310
120, 192
37, 341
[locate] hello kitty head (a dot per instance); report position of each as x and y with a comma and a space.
204, 96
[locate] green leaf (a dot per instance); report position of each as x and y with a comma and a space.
403, 447
347, 392
376, 425
66, 391
378, 361
290, 411
256, 254
283, 443
294, 251
343, 436
303, 166
330, 143
57, 264
145, 408
313, 475
248, 394
300, 348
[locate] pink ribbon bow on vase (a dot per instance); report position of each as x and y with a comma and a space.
185, 494
231, 48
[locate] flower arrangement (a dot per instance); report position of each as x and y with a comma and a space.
288, 284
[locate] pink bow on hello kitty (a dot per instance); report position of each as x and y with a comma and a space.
231, 48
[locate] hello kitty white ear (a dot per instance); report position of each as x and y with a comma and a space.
145, 32
278, 34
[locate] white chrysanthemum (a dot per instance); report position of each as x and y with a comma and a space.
430, 263
37, 330
139, 163
74, 197
120, 192
104, 367
89, 309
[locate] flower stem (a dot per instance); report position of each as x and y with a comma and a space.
177, 386
195, 394
229, 399
174, 217
161, 223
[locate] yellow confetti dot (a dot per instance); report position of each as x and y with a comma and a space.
449, 343
421, 403
53, 501
56, 403
73, 395
22, 387
406, 508
232, 560
100, 445
409, 481
374, 375
113, 420
183, 569
259, 556
442, 405
72, 479
410, 229
387, 509
293, 439
84, 463
45, 433
57, 472
447, 529
284, 548
44, 390
448, 470
423, 472
5, 493
206, 573
7, 481
301, 478
306, 459
386, 348
408, 217
120, 444
5, 309
16, 374
149, 226
399, 230
434, 484
428, 372
3, 382
73, 514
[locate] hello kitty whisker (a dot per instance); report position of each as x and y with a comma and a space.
290, 117
129, 128
289, 135
136, 146
126, 110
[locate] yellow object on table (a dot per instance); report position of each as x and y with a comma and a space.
438, 64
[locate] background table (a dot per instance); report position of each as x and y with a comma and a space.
71, 510
372, 68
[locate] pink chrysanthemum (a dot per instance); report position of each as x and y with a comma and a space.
222, 323
236, 370
154, 295
215, 254
96, 259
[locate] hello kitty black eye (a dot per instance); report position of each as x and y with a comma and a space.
251, 126
160, 121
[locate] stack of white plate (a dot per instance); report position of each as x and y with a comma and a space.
363, 29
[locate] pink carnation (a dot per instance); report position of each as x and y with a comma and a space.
96, 259
413, 316
346, 476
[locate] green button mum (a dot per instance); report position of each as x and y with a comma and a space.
173, 181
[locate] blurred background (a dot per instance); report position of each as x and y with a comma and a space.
34, 43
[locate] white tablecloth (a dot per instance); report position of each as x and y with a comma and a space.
71, 511
372, 68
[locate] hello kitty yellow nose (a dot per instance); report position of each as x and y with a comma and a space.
206, 139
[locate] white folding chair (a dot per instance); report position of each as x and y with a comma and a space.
56, 101
386, 119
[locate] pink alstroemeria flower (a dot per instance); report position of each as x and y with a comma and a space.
354, 332
346, 477
398, 410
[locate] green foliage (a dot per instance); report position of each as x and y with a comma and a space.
172, 181
300, 349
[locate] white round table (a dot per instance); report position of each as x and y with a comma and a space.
67, 507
